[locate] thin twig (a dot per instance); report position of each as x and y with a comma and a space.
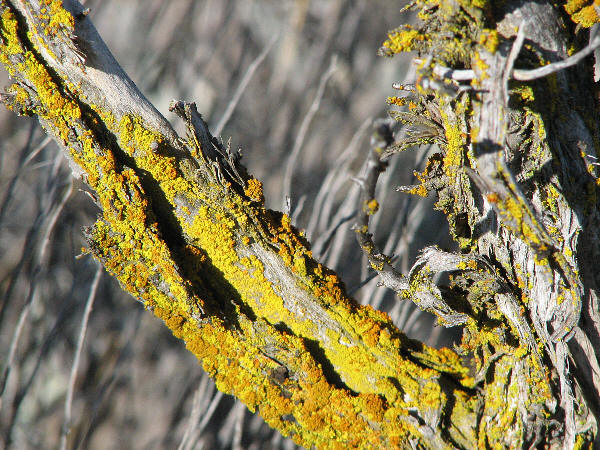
343, 175
48, 227
314, 107
41, 146
335, 250
53, 219
238, 430
540, 72
520, 74
10, 187
337, 177
325, 239
512, 57
80, 340
242, 87
121, 349
298, 209
13, 347
197, 406
210, 411
382, 138
384, 189
395, 244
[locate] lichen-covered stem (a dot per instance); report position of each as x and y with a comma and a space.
516, 180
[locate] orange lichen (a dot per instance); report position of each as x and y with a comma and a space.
254, 190
398, 101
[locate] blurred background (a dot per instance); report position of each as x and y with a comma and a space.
296, 84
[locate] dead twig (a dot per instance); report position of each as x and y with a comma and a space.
368, 205
71, 386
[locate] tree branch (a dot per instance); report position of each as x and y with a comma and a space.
185, 231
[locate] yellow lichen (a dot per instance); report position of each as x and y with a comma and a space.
583, 12
58, 17
403, 39
371, 207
